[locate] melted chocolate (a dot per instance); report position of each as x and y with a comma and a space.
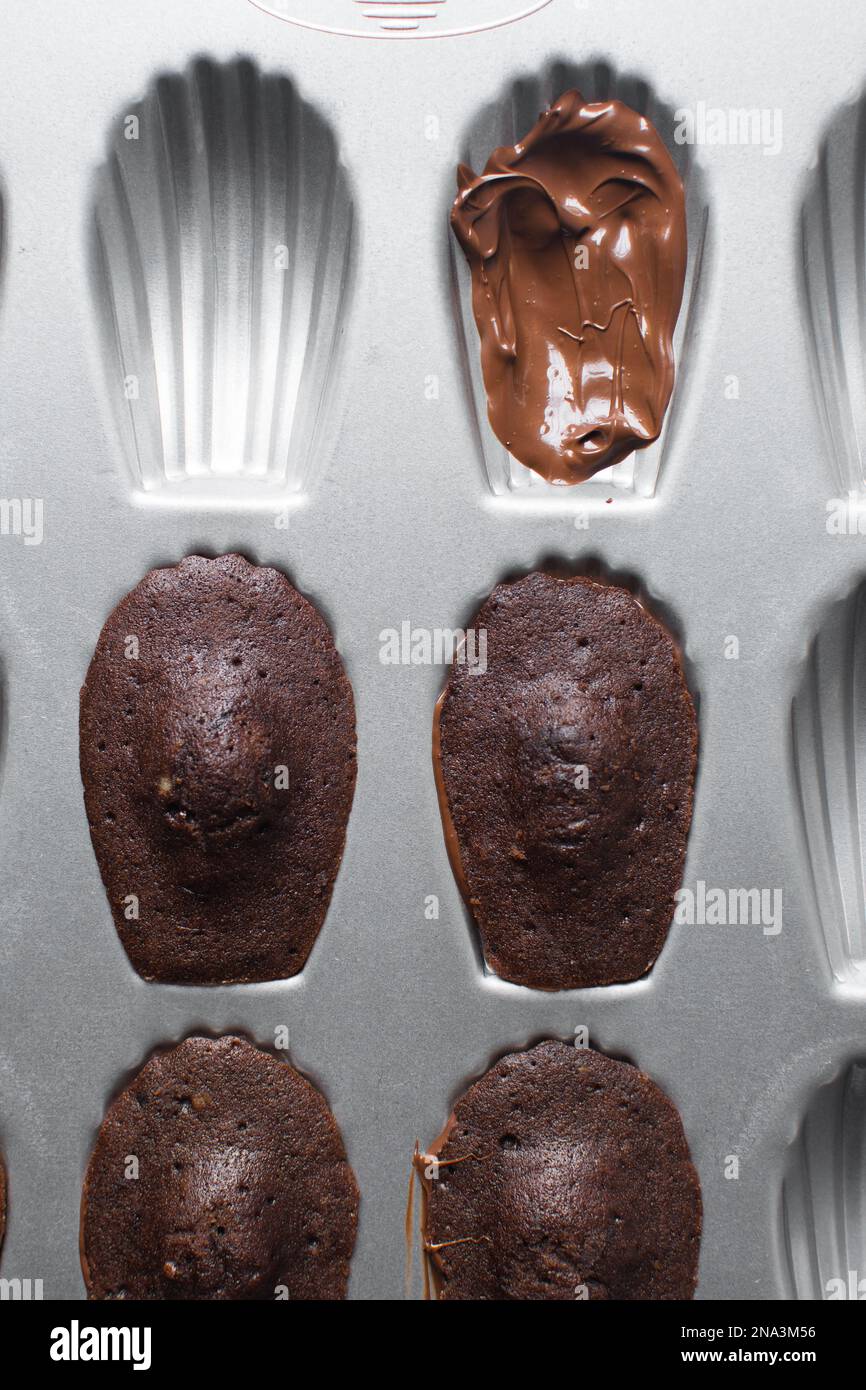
576, 240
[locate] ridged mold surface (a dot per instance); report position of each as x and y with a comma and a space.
221, 258
823, 1202
504, 122
829, 749
833, 259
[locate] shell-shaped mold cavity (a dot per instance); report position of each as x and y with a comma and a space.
833, 262
505, 122
221, 257
829, 748
823, 1201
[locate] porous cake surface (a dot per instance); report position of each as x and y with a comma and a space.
562, 1174
218, 760
218, 1173
565, 764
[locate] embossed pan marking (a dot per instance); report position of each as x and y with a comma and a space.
396, 19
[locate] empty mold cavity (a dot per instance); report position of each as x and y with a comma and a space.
833, 263
823, 1201
829, 748
505, 122
221, 258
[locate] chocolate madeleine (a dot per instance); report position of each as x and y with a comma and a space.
562, 1174
565, 764
218, 761
218, 1173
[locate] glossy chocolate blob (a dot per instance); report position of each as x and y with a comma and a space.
576, 242
218, 761
565, 773
242, 1188
562, 1175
